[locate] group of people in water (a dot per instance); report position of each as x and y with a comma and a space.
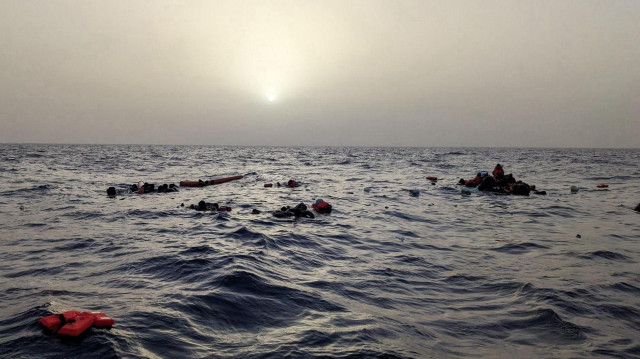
143, 187
298, 211
211, 207
498, 182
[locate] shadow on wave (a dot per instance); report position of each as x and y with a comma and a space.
529, 328
614, 256
245, 301
519, 248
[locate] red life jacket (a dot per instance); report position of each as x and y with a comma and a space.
323, 207
473, 182
498, 171
74, 323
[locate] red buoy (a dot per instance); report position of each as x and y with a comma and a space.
432, 179
268, 185
602, 185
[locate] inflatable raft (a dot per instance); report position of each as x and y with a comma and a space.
209, 182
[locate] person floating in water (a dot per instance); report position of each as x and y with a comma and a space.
298, 211
322, 207
292, 183
204, 206
498, 172
167, 188
474, 182
143, 187
498, 182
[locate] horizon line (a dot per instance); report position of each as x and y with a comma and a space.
309, 146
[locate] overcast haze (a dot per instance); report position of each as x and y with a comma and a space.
373, 73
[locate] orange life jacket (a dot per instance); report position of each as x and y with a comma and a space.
74, 323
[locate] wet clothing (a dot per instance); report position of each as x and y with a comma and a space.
521, 189
498, 171
487, 184
474, 182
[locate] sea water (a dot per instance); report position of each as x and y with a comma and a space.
388, 274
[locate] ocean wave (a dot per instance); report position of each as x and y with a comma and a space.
384, 275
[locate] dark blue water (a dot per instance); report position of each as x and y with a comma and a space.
386, 275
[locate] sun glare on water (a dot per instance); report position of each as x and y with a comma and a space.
271, 97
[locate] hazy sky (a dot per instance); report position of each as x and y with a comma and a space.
390, 73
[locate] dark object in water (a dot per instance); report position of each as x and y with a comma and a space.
298, 211
637, 208
322, 207
143, 188
521, 189
204, 206
487, 184
167, 188
292, 183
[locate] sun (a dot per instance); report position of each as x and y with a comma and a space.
271, 97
